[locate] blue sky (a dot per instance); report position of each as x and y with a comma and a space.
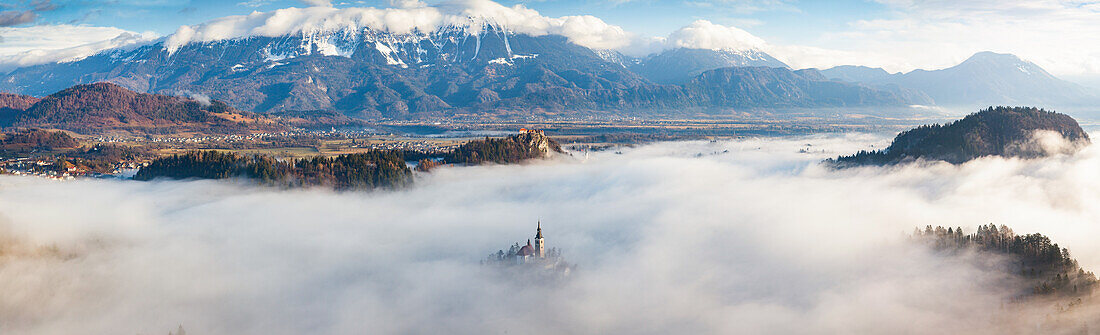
899, 35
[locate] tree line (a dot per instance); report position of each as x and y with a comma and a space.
372, 169
1047, 267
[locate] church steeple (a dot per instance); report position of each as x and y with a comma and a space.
539, 243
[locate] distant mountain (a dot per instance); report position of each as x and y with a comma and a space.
767, 86
986, 78
370, 74
999, 131
93, 108
858, 74
677, 66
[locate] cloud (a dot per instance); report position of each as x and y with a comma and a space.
703, 34
407, 3
43, 5
199, 97
14, 17
587, 31
254, 3
756, 240
53, 43
318, 3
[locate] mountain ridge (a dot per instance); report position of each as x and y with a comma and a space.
985, 78
374, 75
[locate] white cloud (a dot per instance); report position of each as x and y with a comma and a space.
407, 3
318, 3
703, 34
23, 46
753, 241
587, 31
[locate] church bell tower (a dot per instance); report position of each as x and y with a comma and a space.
539, 243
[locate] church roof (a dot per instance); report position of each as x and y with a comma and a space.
527, 250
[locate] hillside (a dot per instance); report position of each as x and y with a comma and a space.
35, 140
996, 131
11, 105
100, 107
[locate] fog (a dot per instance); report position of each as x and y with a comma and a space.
747, 236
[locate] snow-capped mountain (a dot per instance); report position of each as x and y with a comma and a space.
456, 69
677, 66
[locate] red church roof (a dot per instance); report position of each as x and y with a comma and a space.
527, 250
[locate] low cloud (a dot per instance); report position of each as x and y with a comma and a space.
743, 236
62, 43
201, 98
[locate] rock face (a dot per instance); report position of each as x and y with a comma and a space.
540, 145
1025, 132
528, 144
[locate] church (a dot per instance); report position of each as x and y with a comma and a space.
530, 252
534, 252
534, 258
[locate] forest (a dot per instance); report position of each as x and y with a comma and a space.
512, 149
373, 169
1046, 268
35, 140
993, 131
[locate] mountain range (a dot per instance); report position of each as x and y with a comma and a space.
493, 72
984, 79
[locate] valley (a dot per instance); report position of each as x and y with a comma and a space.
327, 167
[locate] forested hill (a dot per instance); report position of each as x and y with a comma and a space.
999, 131
35, 140
99, 107
374, 169
1041, 267
528, 144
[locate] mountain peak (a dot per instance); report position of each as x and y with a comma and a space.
996, 59
992, 55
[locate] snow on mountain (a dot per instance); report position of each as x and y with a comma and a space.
679, 65
470, 15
